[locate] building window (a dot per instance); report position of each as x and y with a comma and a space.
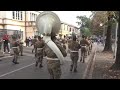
16, 14
70, 29
13, 14
64, 26
21, 16
34, 17
30, 16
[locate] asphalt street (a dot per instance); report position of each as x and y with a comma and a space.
26, 68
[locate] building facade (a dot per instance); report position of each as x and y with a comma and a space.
22, 23
67, 29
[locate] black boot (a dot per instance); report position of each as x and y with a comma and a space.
40, 66
71, 68
16, 62
13, 61
36, 64
81, 60
75, 70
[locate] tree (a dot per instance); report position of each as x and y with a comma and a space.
85, 25
97, 18
108, 43
116, 65
106, 18
86, 32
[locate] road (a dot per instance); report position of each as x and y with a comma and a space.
26, 68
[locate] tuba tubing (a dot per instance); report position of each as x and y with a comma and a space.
46, 23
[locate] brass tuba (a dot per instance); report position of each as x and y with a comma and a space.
48, 23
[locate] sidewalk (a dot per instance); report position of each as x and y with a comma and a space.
103, 62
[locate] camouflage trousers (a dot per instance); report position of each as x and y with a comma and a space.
33, 48
74, 57
21, 50
54, 69
16, 54
84, 51
39, 57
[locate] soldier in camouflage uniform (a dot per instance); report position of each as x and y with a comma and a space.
53, 63
33, 43
63, 42
84, 44
39, 45
74, 47
20, 47
15, 47
90, 46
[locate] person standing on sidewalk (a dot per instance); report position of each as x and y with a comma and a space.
74, 47
39, 51
6, 41
27, 42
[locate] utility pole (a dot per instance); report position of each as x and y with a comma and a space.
25, 25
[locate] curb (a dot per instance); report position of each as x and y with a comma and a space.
89, 68
92, 66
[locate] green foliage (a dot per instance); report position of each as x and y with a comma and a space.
86, 32
85, 25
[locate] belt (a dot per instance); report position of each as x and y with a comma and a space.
39, 48
83, 46
73, 51
51, 58
14, 47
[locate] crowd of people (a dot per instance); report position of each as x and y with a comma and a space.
66, 45
54, 65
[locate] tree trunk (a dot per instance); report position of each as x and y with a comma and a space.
108, 43
116, 65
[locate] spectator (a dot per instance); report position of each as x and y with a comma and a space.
6, 41
30, 41
27, 41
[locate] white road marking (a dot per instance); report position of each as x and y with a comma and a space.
6, 57
16, 70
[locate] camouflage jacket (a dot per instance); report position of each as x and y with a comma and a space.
74, 46
49, 53
84, 42
39, 44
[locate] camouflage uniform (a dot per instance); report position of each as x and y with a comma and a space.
74, 47
33, 43
90, 46
63, 41
15, 48
39, 52
54, 65
21, 48
83, 43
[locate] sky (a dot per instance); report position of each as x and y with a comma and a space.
70, 16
